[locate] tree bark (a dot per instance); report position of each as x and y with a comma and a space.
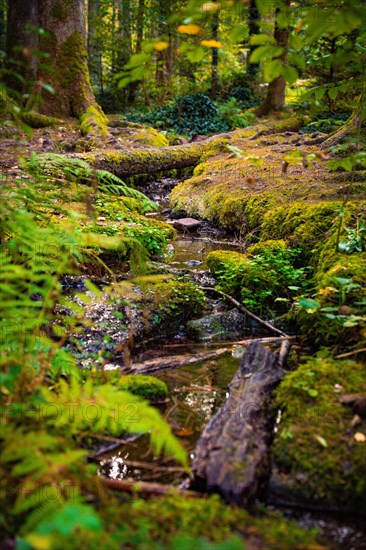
65, 23
94, 45
215, 57
21, 41
232, 454
275, 98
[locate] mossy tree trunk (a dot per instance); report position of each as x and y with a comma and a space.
67, 71
65, 42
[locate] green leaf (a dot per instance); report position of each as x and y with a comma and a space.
272, 70
290, 74
265, 52
333, 92
261, 39
196, 55
309, 304
295, 42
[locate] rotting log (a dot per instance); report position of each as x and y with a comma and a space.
232, 454
171, 362
149, 160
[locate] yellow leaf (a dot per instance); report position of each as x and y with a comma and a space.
211, 43
210, 6
321, 440
360, 437
190, 29
161, 46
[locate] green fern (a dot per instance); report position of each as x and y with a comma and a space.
113, 185
115, 411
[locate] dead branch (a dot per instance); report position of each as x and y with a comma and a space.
244, 310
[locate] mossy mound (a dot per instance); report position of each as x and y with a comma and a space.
148, 387
150, 137
315, 450
176, 522
266, 246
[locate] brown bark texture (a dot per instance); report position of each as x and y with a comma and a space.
232, 454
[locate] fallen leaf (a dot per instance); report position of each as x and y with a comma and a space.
184, 432
360, 437
321, 440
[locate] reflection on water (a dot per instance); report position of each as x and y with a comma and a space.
196, 392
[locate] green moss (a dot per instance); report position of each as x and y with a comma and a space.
150, 137
173, 302
175, 522
93, 121
302, 224
315, 449
265, 246
36, 120
148, 387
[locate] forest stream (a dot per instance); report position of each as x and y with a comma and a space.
196, 391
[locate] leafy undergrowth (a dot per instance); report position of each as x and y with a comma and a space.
263, 278
319, 453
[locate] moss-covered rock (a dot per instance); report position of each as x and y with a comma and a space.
267, 246
315, 449
148, 387
173, 302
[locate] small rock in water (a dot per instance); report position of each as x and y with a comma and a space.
192, 263
238, 352
187, 223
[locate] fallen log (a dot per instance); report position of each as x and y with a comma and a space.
171, 362
231, 456
146, 488
149, 160
244, 310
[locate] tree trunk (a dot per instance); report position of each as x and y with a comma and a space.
21, 41
94, 46
65, 23
355, 125
253, 17
215, 57
275, 99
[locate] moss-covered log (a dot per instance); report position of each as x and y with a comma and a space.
231, 456
154, 159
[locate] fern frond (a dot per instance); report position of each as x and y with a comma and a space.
111, 184
111, 411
